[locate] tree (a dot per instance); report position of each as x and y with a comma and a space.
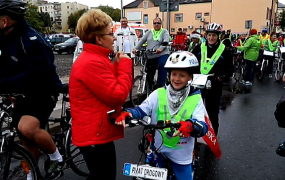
33, 18
46, 19
115, 14
73, 18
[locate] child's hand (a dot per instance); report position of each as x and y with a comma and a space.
120, 120
185, 129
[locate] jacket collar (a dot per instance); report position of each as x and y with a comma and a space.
96, 49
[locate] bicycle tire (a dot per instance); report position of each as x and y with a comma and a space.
237, 73
74, 157
15, 163
136, 94
136, 60
278, 73
261, 72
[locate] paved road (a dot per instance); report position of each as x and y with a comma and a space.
248, 137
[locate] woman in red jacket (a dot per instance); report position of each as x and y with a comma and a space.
97, 86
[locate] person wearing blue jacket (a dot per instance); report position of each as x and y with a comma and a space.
180, 103
27, 68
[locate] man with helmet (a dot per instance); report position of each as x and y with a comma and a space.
26, 67
264, 37
214, 59
184, 105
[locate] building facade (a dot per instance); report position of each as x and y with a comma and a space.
59, 12
197, 14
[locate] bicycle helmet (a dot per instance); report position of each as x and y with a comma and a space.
214, 28
182, 59
13, 8
264, 30
280, 150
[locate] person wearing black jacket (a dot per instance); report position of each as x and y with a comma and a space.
214, 58
27, 68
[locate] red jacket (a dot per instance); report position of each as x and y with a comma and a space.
179, 40
95, 87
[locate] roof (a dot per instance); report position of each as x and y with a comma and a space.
136, 3
280, 5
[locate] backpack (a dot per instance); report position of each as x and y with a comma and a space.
280, 112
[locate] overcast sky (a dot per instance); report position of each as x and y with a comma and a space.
95, 3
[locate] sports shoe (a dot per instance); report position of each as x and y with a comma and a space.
270, 75
55, 170
248, 83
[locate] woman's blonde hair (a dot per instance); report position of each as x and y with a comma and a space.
93, 22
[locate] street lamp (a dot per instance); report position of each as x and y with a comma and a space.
121, 8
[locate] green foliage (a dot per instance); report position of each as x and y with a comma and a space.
34, 18
46, 19
115, 14
73, 18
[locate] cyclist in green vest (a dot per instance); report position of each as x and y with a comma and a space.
214, 59
180, 103
271, 44
196, 40
251, 52
154, 38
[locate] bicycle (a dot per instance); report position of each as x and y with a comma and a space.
16, 162
140, 57
279, 71
239, 71
261, 67
72, 156
141, 88
146, 146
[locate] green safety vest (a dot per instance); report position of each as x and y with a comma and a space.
272, 46
184, 113
208, 63
156, 34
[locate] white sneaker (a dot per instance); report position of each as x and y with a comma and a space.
248, 83
270, 75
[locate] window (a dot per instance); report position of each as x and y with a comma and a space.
206, 14
172, 29
67, 12
198, 15
145, 19
157, 15
145, 4
67, 7
178, 17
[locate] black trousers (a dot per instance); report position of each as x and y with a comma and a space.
212, 99
101, 161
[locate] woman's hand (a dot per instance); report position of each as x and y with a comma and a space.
121, 55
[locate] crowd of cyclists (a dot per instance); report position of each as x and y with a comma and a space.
98, 85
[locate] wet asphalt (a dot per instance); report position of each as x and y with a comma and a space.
248, 134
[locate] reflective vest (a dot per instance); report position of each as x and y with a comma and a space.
184, 113
156, 34
208, 63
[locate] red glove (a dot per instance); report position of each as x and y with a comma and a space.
120, 120
185, 129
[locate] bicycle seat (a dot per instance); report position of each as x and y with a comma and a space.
64, 89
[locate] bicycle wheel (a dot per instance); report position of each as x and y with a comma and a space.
278, 72
237, 73
261, 71
18, 164
74, 157
137, 60
139, 91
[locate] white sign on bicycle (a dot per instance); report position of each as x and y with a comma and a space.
145, 171
268, 53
